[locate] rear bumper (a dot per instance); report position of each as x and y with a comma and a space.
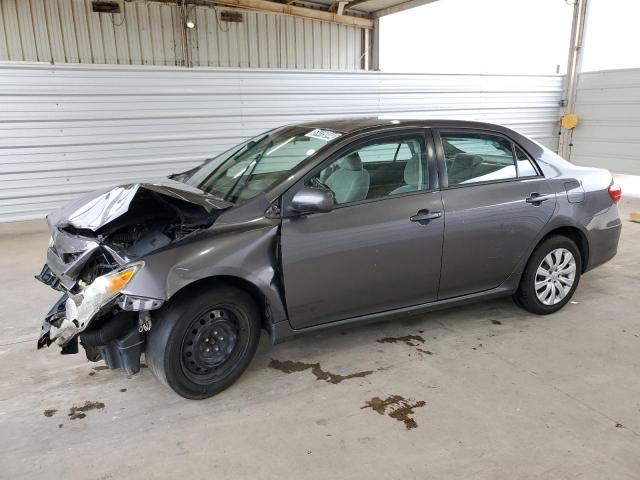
603, 243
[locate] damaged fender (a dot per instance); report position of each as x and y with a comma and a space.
243, 250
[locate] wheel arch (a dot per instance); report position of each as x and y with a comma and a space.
577, 236
243, 284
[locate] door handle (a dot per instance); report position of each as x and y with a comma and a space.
536, 199
423, 216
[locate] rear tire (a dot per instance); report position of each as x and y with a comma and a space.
551, 276
203, 340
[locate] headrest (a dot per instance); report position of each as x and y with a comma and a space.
466, 160
412, 172
351, 162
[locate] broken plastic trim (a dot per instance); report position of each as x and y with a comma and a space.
52, 319
134, 303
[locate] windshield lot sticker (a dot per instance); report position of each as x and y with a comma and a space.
320, 134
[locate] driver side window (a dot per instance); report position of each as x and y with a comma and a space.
376, 170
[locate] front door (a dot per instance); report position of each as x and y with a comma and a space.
492, 216
379, 249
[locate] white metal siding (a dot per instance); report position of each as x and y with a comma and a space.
69, 130
67, 31
608, 131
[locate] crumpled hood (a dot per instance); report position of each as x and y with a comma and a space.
101, 207
114, 226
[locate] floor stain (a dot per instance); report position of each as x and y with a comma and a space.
50, 412
408, 339
496, 322
428, 352
123, 390
182, 449
91, 374
289, 366
81, 412
100, 367
400, 408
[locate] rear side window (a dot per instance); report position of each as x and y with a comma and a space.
477, 157
482, 157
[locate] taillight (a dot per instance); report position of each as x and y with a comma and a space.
615, 192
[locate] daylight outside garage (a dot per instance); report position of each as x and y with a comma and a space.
415, 195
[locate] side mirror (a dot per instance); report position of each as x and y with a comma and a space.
311, 200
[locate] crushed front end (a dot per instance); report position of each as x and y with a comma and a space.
101, 318
97, 247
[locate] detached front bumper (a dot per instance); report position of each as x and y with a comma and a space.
118, 338
62, 324
110, 325
53, 319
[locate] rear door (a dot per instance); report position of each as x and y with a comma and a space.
373, 252
496, 202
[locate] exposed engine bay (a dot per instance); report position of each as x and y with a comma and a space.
97, 245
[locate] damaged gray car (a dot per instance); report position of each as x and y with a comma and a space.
316, 225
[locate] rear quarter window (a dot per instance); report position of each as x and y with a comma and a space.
525, 165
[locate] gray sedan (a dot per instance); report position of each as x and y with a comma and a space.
316, 225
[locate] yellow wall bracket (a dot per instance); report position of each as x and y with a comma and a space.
569, 121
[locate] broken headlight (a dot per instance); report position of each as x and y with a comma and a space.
81, 308
102, 290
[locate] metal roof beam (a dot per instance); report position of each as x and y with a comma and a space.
293, 10
400, 7
266, 6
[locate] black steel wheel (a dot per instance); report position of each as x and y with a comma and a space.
203, 340
211, 342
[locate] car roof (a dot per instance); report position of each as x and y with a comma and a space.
355, 124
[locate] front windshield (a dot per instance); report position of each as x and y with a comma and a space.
253, 167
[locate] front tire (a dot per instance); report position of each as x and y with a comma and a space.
203, 340
550, 277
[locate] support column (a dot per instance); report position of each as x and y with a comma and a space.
375, 45
366, 54
580, 9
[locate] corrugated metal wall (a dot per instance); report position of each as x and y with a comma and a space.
69, 130
608, 131
67, 31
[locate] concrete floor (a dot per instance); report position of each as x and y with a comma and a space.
506, 394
